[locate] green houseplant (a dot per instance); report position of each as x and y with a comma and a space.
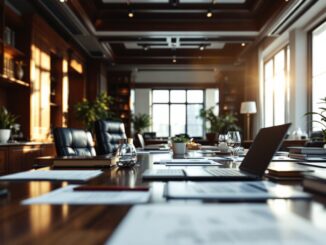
6, 122
322, 115
219, 124
141, 122
90, 111
179, 146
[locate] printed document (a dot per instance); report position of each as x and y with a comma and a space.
211, 224
67, 195
59, 175
231, 190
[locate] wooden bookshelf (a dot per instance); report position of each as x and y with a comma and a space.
119, 85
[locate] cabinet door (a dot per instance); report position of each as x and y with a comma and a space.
48, 150
22, 158
3, 162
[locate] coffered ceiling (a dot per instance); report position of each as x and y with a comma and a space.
163, 32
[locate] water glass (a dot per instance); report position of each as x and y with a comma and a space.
234, 141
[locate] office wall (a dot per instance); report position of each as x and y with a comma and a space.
297, 39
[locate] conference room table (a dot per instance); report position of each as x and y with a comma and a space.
94, 224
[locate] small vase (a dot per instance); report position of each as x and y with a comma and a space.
19, 71
126, 154
179, 148
4, 135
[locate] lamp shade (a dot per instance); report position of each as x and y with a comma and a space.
248, 107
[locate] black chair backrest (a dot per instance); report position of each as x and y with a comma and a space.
108, 135
73, 142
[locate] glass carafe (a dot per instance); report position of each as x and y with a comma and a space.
126, 153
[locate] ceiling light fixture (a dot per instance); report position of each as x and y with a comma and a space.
63, 1
130, 10
145, 47
174, 60
209, 14
201, 47
243, 44
174, 3
130, 14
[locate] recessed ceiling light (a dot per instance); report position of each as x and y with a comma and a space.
63, 1
130, 14
201, 47
209, 14
243, 44
146, 47
174, 60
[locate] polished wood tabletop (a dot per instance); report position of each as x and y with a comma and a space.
93, 224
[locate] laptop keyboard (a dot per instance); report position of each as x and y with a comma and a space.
224, 172
169, 172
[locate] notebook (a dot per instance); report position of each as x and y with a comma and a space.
253, 166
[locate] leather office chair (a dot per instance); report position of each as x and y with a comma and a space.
108, 135
73, 142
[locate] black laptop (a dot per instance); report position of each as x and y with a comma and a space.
253, 166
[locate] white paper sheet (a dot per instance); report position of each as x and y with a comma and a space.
232, 190
153, 152
64, 175
67, 195
188, 162
213, 224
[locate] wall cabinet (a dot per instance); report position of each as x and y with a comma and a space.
119, 87
21, 157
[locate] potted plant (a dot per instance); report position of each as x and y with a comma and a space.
90, 111
6, 122
218, 124
141, 122
179, 144
322, 115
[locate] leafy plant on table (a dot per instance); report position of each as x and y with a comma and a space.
90, 111
322, 116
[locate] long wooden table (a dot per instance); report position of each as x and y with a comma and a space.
93, 224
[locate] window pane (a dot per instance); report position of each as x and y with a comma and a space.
279, 88
160, 96
194, 123
268, 94
195, 96
161, 120
318, 71
178, 119
178, 96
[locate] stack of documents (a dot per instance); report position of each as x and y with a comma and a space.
67, 195
213, 224
231, 191
58, 175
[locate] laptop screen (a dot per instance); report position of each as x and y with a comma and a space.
264, 146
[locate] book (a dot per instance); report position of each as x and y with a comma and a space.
307, 150
286, 171
308, 157
315, 182
84, 161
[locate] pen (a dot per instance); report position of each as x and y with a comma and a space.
109, 188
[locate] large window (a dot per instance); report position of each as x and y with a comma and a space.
276, 88
318, 71
176, 112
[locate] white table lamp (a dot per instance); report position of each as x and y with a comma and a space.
247, 108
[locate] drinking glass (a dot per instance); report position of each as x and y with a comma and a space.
222, 138
233, 141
